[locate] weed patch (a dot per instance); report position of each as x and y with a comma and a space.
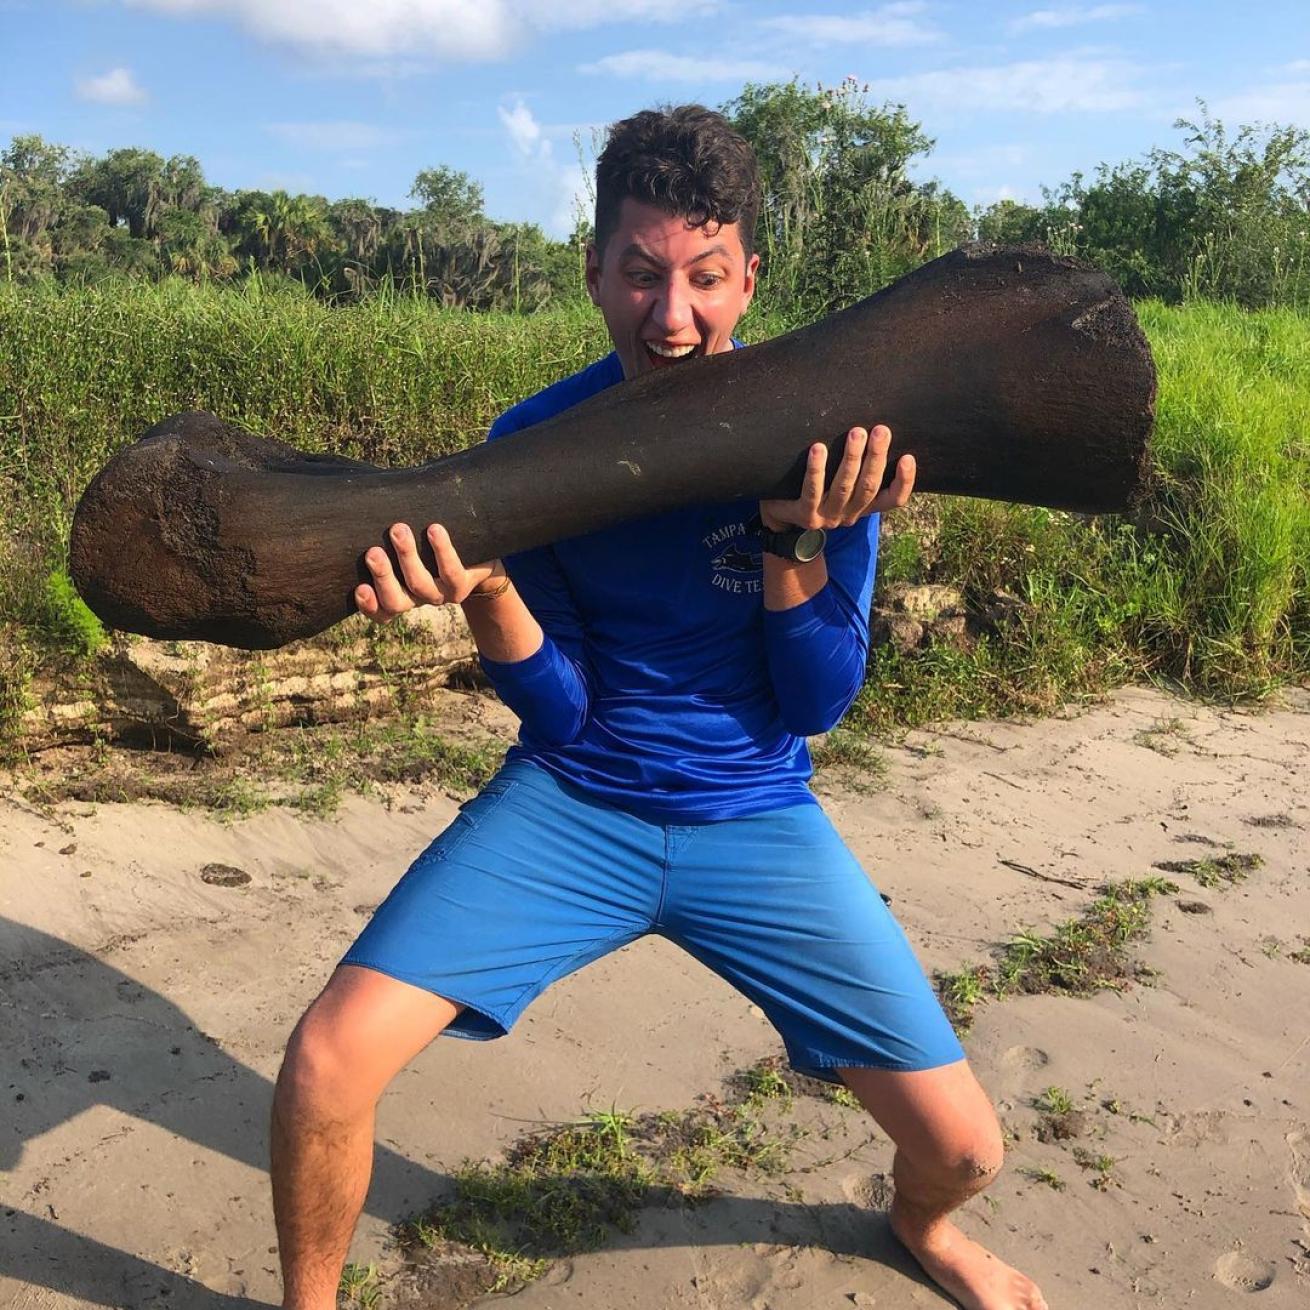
1079, 957
309, 769
1216, 871
1047, 1176
571, 1188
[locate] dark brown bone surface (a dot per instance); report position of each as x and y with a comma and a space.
1009, 373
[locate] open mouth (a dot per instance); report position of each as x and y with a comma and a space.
660, 355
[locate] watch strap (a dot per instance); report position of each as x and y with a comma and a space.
783, 543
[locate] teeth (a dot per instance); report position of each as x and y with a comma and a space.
669, 352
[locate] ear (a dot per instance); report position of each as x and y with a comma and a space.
752, 267
593, 272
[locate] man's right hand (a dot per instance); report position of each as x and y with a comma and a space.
390, 595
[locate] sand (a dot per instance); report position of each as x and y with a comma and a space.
143, 1011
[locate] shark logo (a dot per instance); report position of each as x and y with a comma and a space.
735, 560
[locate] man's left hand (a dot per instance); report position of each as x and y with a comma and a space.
856, 489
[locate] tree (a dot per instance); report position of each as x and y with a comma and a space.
129, 185
451, 199
1227, 216
839, 216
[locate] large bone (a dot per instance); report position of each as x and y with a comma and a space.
1010, 373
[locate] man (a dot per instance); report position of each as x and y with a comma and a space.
665, 674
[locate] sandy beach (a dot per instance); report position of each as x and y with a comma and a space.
144, 1007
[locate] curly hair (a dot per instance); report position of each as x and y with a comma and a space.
688, 161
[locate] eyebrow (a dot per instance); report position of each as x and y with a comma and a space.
635, 248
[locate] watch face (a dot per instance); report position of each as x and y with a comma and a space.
809, 545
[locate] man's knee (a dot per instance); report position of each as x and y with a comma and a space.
317, 1081
969, 1159
353, 1040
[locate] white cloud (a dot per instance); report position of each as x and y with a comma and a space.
457, 30
342, 135
382, 29
1073, 16
576, 14
1046, 86
561, 188
661, 66
1298, 66
523, 128
116, 87
1279, 102
891, 25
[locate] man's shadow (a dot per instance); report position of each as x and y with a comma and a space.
79, 1033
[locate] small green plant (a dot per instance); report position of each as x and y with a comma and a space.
961, 991
862, 764
360, 1287
1044, 1175
844, 1097
764, 1082
1055, 1100
1165, 736
1216, 871
1100, 1166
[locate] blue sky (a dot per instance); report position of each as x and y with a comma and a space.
353, 97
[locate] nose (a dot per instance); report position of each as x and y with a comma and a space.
672, 310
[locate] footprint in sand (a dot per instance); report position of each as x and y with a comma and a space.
869, 1191
1298, 1145
1024, 1059
1242, 1273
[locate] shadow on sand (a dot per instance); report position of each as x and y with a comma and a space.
79, 1034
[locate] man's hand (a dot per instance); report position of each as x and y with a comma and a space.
855, 491
390, 595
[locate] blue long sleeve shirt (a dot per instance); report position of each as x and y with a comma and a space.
663, 686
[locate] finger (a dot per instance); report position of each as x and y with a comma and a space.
811, 496
902, 484
872, 472
366, 600
392, 598
452, 576
848, 474
418, 581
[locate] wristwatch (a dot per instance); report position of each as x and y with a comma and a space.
800, 545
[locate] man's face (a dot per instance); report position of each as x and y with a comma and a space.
669, 292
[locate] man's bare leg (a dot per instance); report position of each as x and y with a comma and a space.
948, 1148
360, 1032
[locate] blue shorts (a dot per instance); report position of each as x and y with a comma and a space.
534, 879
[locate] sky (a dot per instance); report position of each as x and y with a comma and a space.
353, 97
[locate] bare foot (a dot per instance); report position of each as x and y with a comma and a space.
969, 1272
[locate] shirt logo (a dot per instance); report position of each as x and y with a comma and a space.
736, 562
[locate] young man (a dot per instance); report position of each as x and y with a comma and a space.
666, 673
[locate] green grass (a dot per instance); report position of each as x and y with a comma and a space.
1045, 1175
305, 769
1207, 588
1055, 1100
570, 1188
1078, 957
1217, 870
360, 1287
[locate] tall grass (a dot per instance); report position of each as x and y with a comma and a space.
1208, 587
